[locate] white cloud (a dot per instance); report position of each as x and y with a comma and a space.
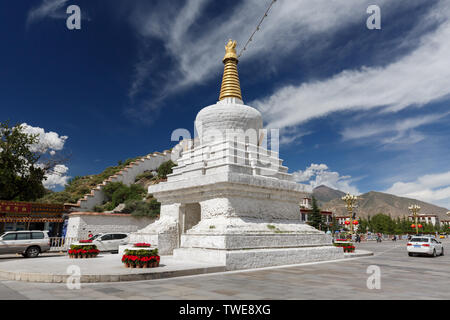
433, 188
319, 174
198, 54
399, 132
416, 79
47, 9
57, 177
47, 141
290, 135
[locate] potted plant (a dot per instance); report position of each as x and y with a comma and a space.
142, 245
83, 251
349, 249
141, 258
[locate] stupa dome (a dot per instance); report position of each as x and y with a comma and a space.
229, 115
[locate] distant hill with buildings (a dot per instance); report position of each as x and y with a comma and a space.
372, 203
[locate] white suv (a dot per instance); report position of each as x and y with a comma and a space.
425, 245
28, 243
110, 241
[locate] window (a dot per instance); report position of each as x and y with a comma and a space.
119, 236
37, 235
9, 236
23, 236
107, 237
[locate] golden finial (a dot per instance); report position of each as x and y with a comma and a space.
231, 87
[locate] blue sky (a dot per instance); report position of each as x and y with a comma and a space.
358, 109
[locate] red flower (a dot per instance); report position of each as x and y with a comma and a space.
144, 245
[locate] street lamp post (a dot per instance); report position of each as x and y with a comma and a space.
415, 210
350, 202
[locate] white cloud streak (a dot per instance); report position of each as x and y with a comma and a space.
392, 132
433, 188
416, 79
289, 25
47, 9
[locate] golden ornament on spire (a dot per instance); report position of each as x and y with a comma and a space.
231, 87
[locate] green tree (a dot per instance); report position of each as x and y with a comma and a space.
315, 219
381, 223
117, 193
138, 208
363, 225
334, 225
165, 169
20, 176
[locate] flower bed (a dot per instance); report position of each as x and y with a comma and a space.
342, 243
80, 251
142, 245
349, 249
143, 258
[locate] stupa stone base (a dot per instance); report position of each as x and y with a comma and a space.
259, 258
258, 249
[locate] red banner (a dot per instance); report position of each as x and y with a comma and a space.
31, 208
15, 207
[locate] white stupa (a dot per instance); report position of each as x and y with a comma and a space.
229, 200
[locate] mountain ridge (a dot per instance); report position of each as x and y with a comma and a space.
374, 202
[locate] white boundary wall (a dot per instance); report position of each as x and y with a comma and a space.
82, 223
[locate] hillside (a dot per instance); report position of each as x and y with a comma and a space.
324, 194
373, 202
77, 187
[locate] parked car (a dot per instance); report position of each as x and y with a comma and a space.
110, 241
425, 245
28, 243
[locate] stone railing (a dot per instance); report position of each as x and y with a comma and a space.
61, 244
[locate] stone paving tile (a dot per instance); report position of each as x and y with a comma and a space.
226, 292
338, 280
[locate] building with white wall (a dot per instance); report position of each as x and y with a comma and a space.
81, 224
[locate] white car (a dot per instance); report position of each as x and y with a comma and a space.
110, 241
425, 245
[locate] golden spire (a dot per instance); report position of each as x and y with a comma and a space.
231, 87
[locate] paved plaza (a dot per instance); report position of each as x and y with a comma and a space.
402, 277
